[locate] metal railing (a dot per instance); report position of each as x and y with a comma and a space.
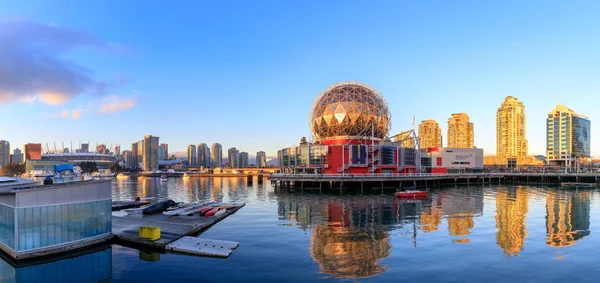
425, 175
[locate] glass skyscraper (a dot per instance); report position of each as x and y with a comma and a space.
567, 135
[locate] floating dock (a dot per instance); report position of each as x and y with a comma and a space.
204, 247
126, 228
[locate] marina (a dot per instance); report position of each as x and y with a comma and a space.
126, 228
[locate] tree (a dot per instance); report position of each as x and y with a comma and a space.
88, 167
12, 169
115, 168
303, 141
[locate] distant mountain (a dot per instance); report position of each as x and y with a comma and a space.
272, 162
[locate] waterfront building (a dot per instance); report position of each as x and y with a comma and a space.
243, 160
17, 156
217, 155
192, 156
460, 131
511, 213
203, 156
261, 159
33, 151
233, 156
349, 123
567, 136
4, 153
511, 129
453, 160
42, 220
406, 139
85, 147
150, 156
117, 150
430, 134
103, 161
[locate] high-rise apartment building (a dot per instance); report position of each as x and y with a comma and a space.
163, 151
127, 158
150, 151
460, 131
16, 157
567, 135
4, 153
33, 151
192, 155
118, 150
233, 156
140, 154
243, 159
430, 134
134, 160
217, 155
511, 129
261, 159
406, 139
203, 156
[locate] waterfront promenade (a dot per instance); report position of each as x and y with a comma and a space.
389, 180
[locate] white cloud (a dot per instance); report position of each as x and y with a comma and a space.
68, 114
114, 103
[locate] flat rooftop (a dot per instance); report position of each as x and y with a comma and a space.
8, 185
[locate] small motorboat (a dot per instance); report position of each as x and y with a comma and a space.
163, 178
412, 194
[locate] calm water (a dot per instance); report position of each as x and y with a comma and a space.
493, 234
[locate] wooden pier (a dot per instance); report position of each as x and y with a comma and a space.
126, 228
423, 180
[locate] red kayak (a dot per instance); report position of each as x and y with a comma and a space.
412, 194
211, 212
205, 210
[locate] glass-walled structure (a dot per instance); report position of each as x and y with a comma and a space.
94, 266
42, 219
309, 156
567, 136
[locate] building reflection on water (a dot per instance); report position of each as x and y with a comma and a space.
460, 208
90, 266
567, 217
349, 237
511, 211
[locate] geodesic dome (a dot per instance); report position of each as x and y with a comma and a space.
349, 109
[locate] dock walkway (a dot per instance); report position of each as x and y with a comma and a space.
126, 228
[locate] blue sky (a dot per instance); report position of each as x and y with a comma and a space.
245, 73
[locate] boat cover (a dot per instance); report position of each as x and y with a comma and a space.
159, 207
63, 167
